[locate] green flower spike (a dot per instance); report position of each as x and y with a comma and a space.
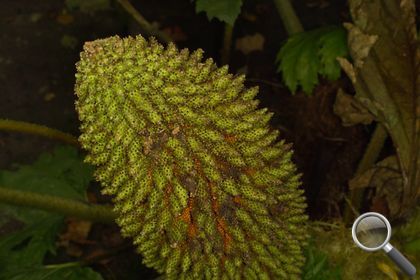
198, 179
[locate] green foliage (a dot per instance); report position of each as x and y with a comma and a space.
410, 233
200, 181
317, 266
27, 235
351, 262
60, 173
224, 10
413, 246
55, 273
308, 54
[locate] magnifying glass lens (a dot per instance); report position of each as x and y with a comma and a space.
371, 232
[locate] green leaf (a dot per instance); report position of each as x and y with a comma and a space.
413, 246
308, 54
57, 273
317, 266
62, 173
27, 247
332, 44
224, 10
27, 235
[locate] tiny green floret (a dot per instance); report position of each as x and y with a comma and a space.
199, 180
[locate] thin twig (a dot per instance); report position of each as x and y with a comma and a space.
36, 129
351, 207
62, 265
144, 24
273, 84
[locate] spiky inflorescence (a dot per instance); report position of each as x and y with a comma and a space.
198, 179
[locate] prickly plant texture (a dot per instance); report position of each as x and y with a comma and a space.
199, 181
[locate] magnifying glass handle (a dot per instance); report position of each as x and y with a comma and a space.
399, 259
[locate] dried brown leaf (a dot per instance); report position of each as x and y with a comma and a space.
77, 231
250, 43
350, 111
64, 19
385, 178
360, 43
348, 68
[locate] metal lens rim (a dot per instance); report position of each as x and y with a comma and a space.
356, 223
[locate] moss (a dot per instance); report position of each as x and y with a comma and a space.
200, 182
355, 263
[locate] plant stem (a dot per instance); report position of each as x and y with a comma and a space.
56, 204
18, 126
373, 149
144, 24
227, 44
290, 20
62, 265
369, 158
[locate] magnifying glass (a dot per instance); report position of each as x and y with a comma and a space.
371, 232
